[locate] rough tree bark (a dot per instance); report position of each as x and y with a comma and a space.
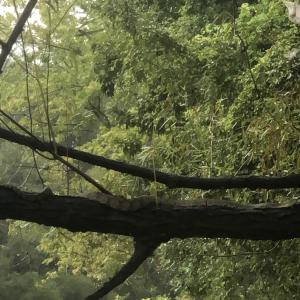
149, 222
211, 219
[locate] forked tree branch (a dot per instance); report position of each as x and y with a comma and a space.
170, 180
150, 224
7, 46
142, 250
56, 156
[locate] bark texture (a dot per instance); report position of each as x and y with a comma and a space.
210, 220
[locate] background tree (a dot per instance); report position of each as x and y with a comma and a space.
200, 89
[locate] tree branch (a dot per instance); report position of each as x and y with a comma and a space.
170, 180
56, 156
107, 214
150, 223
6, 47
142, 250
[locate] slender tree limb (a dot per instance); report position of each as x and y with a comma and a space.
170, 180
142, 250
56, 156
6, 47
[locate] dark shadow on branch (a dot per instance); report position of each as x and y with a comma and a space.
170, 180
142, 250
6, 47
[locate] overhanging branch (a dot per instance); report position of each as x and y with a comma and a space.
170, 180
6, 47
216, 219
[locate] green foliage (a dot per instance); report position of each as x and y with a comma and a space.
72, 287
22, 272
23, 286
189, 87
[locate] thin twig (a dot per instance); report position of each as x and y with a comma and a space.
28, 99
26, 178
57, 157
244, 48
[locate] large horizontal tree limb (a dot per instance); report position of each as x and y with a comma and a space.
170, 180
218, 219
7, 46
148, 222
